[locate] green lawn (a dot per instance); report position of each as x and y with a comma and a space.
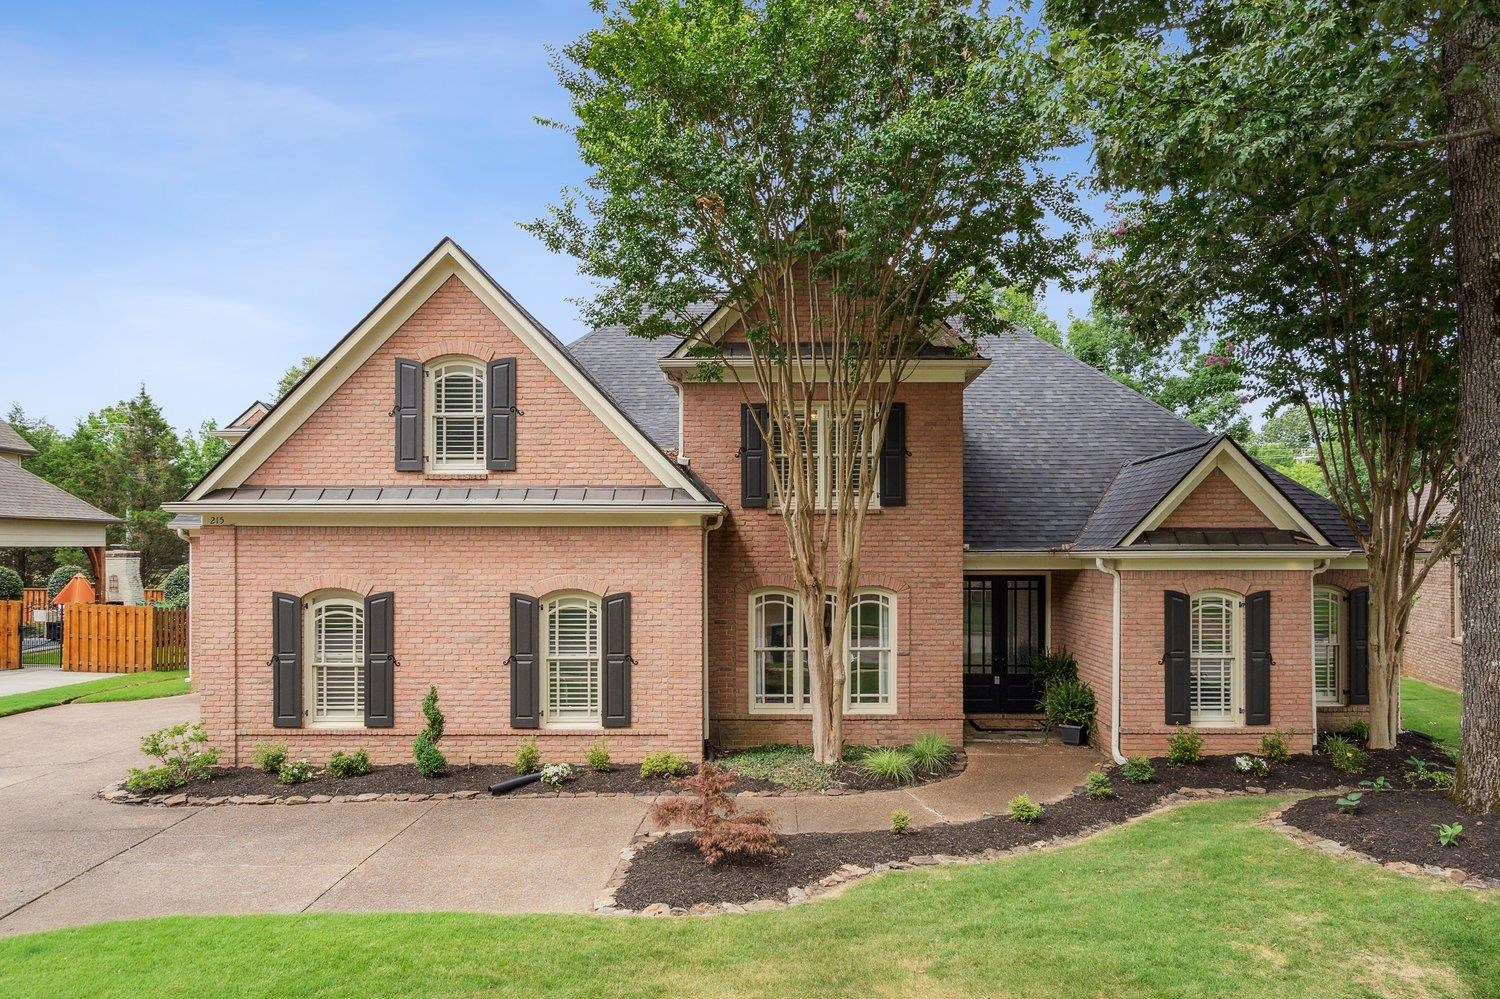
47, 657
1200, 901
1429, 709
131, 687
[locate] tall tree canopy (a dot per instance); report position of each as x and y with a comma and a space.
837, 174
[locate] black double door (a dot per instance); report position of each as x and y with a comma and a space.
1005, 621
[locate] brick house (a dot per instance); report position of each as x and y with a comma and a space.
1435, 630
576, 541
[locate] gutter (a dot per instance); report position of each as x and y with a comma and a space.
712, 525
1106, 567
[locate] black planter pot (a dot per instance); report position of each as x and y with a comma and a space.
1073, 735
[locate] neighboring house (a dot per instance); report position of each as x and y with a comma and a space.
1435, 630
575, 542
36, 514
242, 424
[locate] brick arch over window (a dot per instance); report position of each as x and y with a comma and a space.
597, 586
901, 590
456, 348
307, 586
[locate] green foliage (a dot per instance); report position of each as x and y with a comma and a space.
149, 780
62, 575
1053, 666
1345, 755
931, 753
1274, 747
294, 374
269, 755
175, 587
597, 756
1252, 765
184, 754
1422, 772
664, 765
1449, 833
296, 772
1184, 747
528, 756
1068, 702
12, 587
791, 767
1138, 770
1022, 809
1379, 785
429, 759
1350, 803
900, 822
894, 766
1359, 731
1285, 442
1097, 785
556, 774
433, 715
345, 765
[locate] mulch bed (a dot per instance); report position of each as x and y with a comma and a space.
1402, 826
670, 870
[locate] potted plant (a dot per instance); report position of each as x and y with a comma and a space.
1069, 708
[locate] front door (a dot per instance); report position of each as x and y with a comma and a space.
1004, 627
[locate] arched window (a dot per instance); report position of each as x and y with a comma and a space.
571, 669
455, 415
1328, 644
1215, 675
871, 641
779, 672
336, 659
776, 660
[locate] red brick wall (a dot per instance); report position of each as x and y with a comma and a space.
1083, 623
349, 440
1217, 502
1433, 648
915, 551
452, 587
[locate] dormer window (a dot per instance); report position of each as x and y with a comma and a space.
455, 416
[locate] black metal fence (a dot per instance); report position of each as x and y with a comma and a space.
42, 630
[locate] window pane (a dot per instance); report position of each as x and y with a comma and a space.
1212, 673
338, 661
1327, 626
870, 650
774, 658
573, 668
457, 414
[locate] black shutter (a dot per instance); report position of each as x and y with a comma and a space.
617, 661
380, 660
1258, 658
1359, 646
893, 458
525, 654
408, 414
1177, 657
500, 421
286, 660
755, 479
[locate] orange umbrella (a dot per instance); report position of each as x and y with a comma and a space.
78, 591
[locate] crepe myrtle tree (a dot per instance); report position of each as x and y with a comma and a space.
1277, 183
836, 176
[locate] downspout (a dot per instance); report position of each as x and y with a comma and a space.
1114, 718
713, 525
1319, 567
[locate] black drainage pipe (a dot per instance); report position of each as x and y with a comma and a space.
513, 783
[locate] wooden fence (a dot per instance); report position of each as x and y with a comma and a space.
10, 634
109, 638
35, 598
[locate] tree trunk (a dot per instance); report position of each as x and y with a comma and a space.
1385, 659
1474, 177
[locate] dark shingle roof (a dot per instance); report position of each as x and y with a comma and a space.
1321, 510
627, 365
1136, 490
24, 496
12, 442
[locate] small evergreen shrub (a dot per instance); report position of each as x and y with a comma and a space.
663, 765
296, 772
1097, 785
900, 822
931, 753
184, 755
345, 765
1138, 770
60, 577
720, 828
528, 757
174, 587
269, 756
12, 586
1345, 755
894, 766
1023, 809
556, 774
424, 748
433, 714
1274, 747
1184, 747
597, 757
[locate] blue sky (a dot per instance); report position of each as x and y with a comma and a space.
194, 196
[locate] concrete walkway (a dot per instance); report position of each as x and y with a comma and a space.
67, 858
29, 678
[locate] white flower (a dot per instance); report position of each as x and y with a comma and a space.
554, 774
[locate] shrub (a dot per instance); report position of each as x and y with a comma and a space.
424, 748
1097, 785
296, 772
597, 757
60, 577
1023, 809
12, 586
1448, 834
1345, 755
174, 587
345, 765
895, 766
184, 758
431, 712
665, 764
720, 828
528, 756
1069, 702
1184, 747
1252, 765
1379, 785
1359, 730
900, 822
269, 756
1350, 803
556, 774
1137, 770
931, 753
1054, 666
1422, 772
1274, 747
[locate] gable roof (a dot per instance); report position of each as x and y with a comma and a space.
12, 442
1136, 491
446, 260
24, 496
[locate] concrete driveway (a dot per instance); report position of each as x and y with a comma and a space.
67, 858
29, 678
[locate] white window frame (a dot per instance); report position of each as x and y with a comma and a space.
1337, 598
821, 452
801, 700
1235, 658
434, 371
319, 606
592, 657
